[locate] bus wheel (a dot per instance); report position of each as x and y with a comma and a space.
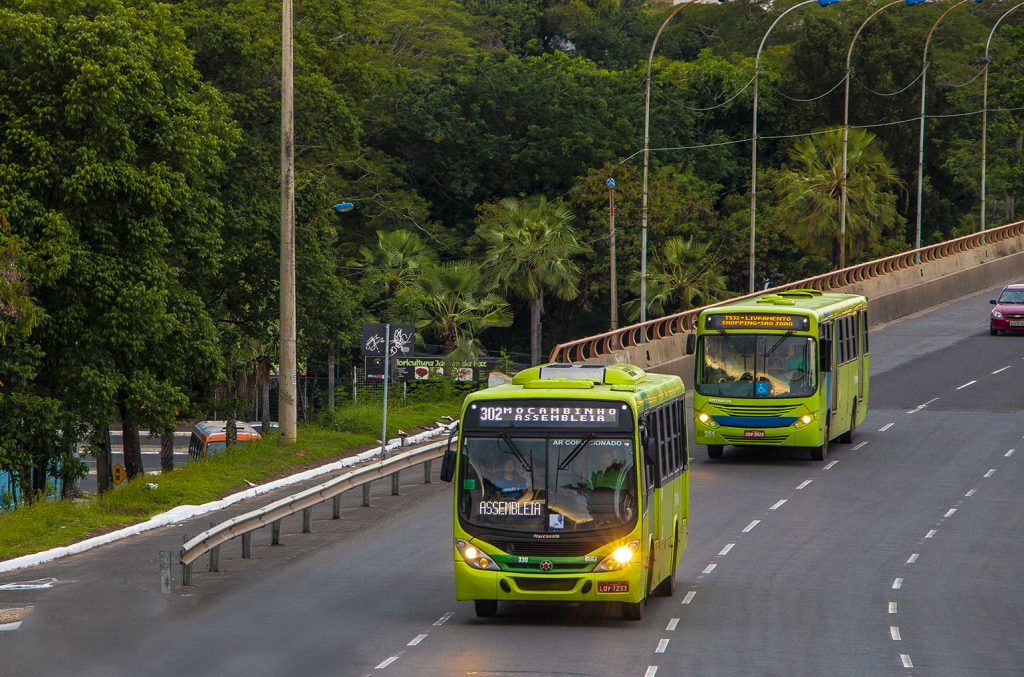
486, 608
847, 437
715, 450
633, 611
819, 453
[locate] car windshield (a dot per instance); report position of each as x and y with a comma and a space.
756, 365
1012, 296
547, 484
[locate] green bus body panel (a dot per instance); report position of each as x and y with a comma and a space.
663, 519
851, 379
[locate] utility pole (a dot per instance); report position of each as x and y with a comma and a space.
286, 378
611, 254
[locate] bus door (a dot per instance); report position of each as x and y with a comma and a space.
864, 362
831, 384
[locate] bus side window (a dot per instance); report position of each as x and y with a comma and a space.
194, 445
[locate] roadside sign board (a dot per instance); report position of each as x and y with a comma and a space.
399, 343
119, 473
409, 369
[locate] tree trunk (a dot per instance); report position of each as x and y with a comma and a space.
131, 448
330, 378
536, 308
231, 434
167, 451
265, 420
104, 471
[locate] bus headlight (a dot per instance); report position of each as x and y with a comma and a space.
704, 418
474, 557
806, 419
619, 558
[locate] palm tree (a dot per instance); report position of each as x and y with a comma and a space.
682, 274
530, 250
457, 304
810, 193
398, 259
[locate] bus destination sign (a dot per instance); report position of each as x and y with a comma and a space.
546, 414
782, 321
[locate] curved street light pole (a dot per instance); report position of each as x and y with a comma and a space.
753, 141
920, 147
647, 151
984, 110
846, 128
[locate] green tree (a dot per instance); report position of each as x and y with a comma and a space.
394, 264
530, 249
810, 194
457, 303
683, 274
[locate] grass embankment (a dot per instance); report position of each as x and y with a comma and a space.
51, 524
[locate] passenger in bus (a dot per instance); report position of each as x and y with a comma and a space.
795, 372
510, 483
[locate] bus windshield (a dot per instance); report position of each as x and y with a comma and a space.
549, 484
757, 365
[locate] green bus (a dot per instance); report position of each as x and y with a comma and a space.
782, 369
571, 485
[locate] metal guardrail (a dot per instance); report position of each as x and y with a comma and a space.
243, 525
597, 346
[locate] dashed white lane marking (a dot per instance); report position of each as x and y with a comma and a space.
672, 624
709, 568
383, 664
689, 596
662, 645
971, 493
862, 444
990, 473
894, 632
922, 406
804, 484
892, 607
8, 627
931, 533
886, 427
441, 621
969, 383
950, 512
905, 658
1009, 453
912, 558
416, 640
897, 584
1003, 369
778, 505
726, 549
829, 466
750, 526
652, 670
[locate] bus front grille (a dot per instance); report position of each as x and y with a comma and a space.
756, 409
550, 548
546, 584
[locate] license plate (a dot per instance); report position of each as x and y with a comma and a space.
1017, 323
613, 586
753, 433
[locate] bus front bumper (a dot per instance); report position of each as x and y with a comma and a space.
624, 585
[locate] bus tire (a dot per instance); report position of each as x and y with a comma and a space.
486, 608
715, 450
633, 611
819, 453
847, 437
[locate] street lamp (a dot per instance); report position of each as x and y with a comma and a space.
753, 144
846, 128
984, 111
342, 207
286, 406
920, 147
647, 151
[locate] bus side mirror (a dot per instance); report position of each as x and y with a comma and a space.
647, 440
448, 460
825, 356
691, 344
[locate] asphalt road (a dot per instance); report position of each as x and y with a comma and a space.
898, 555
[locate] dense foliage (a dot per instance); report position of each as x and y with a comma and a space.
140, 193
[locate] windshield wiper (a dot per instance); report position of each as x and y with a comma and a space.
564, 465
778, 343
515, 450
